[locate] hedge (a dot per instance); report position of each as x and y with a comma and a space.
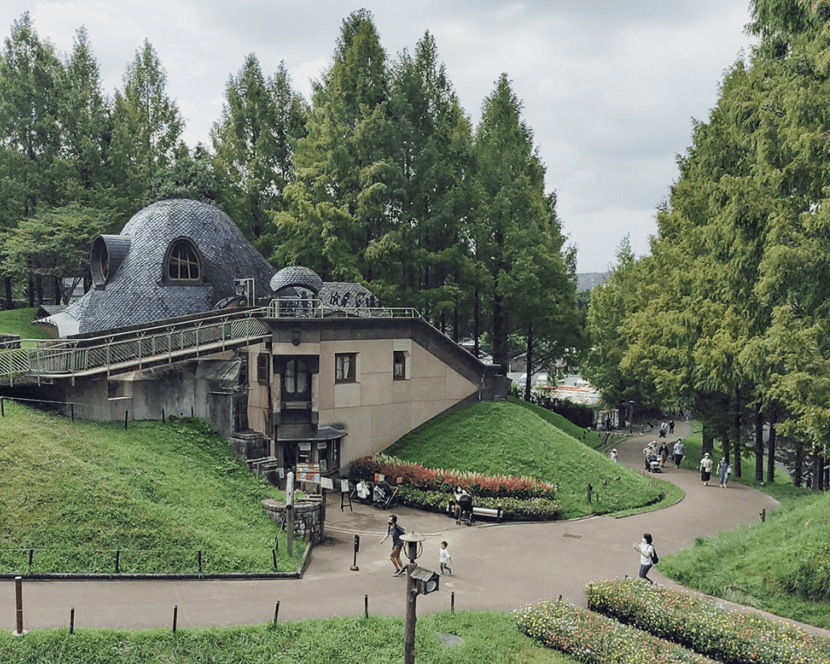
594, 639
732, 637
437, 479
514, 509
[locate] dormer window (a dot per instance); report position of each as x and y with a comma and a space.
183, 262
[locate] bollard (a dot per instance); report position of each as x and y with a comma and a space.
126, 418
31, 556
18, 598
276, 613
162, 416
354, 567
452, 602
366, 605
590, 488
72, 620
175, 617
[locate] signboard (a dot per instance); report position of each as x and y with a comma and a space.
308, 472
344, 486
326, 483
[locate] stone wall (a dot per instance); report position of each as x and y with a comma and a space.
308, 517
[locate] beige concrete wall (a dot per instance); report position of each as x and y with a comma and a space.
376, 409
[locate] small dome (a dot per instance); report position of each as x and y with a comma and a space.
296, 276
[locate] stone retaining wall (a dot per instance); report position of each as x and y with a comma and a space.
308, 517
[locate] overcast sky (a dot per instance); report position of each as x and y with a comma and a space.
609, 87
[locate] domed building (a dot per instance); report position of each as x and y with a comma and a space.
172, 259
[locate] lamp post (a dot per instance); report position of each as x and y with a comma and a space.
631, 416
418, 580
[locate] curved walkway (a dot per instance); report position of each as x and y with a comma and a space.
495, 566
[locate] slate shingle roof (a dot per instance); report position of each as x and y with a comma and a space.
136, 293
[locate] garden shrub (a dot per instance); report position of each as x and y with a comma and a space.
732, 637
436, 479
515, 509
594, 639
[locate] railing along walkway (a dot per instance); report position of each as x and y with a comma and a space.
152, 345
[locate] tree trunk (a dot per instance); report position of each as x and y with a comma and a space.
31, 292
759, 444
708, 439
476, 314
771, 453
529, 365
814, 481
736, 441
499, 330
39, 289
798, 468
9, 299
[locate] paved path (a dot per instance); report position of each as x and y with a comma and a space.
496, 566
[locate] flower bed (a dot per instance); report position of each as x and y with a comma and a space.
436, 479
704, 626
514, 509
594, 639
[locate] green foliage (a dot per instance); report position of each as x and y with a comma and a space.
595, 639
77, 492
54, 243
505, 439
485, 636
731, 637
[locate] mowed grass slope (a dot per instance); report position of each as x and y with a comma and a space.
505, 438
76, 492
781, 565
483, 637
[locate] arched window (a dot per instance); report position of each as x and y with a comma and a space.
183, 263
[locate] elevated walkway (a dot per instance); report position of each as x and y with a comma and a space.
162, 343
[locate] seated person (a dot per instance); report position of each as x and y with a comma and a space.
458, 493
362, 490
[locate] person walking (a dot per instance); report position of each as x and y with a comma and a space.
705, 469
678, 453
663, 453
444, 559
671, 427
723, 472
647, 554
395, 531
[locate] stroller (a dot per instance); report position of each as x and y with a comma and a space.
383, 496
653, 464
465, 511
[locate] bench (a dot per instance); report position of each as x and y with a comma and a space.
486, 512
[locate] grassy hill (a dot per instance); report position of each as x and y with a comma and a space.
76, 492
514, 438
19, 321
781, 565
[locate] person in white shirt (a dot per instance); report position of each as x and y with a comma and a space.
613, 455
646, 551
705, 469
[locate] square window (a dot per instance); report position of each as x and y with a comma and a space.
399, 365
344, 367
262, 368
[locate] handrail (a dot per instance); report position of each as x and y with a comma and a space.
169, 340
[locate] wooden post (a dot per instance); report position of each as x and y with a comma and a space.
72, 620
590, 488
117, 561
175, 617
452, 601
72, 410
289, 513
366, 605
199, 557
126, 418
276, 613
18, 598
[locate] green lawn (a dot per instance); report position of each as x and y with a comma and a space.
77, 492
19, 321
512, 438
485, 637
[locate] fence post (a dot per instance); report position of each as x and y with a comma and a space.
452, 601
126, 418
366, 605
276, 613
175, 617
199, 556
2, 408
72, 620
18, 597
117, 561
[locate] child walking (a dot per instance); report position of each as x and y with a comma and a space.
445, 559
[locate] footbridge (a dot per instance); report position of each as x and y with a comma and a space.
163, 342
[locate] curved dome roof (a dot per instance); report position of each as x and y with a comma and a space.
296, 276
140, 289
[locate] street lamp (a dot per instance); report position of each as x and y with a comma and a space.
418, 581
631, 416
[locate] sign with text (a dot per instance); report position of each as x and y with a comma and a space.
308, 472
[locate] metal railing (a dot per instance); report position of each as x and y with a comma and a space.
154, 344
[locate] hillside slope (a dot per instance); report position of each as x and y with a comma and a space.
505, 438
77, 492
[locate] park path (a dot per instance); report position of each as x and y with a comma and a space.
497, 566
